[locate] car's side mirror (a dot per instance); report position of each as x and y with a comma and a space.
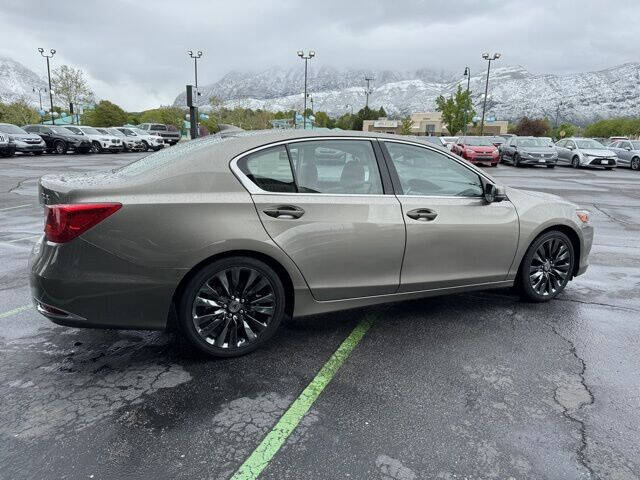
493, 193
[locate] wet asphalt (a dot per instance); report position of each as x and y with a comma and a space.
471, 386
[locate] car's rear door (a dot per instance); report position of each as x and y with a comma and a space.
623, 152
327, 204
454, 237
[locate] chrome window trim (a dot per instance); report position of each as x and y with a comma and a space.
253, 189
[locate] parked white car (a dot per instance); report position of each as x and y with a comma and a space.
100, 141
149, 140
130, 142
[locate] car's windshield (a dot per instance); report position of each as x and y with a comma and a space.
60, 130
139, 131
533, 142
128, 132
116, 132
636, 145
588, 143
75, 130
90, 131
478, 141
8, 128
104, 130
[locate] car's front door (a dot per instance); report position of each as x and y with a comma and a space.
623, 152
454, 237
323, 203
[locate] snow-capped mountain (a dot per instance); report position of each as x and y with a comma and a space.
17, 81
513, 91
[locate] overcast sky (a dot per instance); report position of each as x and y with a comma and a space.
134, 51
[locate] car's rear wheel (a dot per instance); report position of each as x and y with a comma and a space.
145, 146
547, 267
635, 163
231, 306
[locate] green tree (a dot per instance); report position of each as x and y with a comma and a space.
69, 84
345, 122
323, 120
455, 110
534, 127
105, 114
614, 127
18, 113
211, 124
364, 114
167, 115
405, 126
564, 130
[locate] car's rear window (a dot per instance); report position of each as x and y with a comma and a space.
269, 169
158, 127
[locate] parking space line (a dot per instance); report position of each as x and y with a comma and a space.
21, 239
14, 208
15, 311
262, 455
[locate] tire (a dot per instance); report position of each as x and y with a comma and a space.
146, 145
546, 267
635, 163
60, 147
551, 166
95, 147
257, 301
575, 162
516, 161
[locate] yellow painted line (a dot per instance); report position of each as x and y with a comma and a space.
262, 455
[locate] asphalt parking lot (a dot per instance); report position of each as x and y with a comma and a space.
471, 386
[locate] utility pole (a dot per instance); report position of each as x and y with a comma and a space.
196, 94
306, 58
368, 91
558, 113
489, 58
467, 73
52, 52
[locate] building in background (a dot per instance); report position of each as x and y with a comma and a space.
429, 124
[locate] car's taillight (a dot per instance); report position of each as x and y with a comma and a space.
66, 222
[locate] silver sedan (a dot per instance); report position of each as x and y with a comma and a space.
234, 234
628, 152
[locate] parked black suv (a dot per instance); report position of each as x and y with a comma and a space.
170, 136
59, 139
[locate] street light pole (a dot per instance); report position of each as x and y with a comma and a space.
368, 91
52, 52
486, 56
557, 113
195, 57
467, 73
306, 58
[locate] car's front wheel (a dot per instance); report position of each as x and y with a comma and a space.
635, 163
231, 306
547, 267
575, 162
96, 147
60, 147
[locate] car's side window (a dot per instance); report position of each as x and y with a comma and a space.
336, 166
426, 172
269, 169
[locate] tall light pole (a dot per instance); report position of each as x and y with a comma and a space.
557, 113
195, 57
39, 90
51, 53
467, 73
489, 58
368, 91
306, 58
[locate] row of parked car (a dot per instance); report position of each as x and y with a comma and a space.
38, 139
522, 151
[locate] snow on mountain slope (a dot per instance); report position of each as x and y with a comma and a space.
17, 81
513, 91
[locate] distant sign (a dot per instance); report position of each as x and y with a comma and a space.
385, 124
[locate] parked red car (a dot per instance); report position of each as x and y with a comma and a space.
477, 150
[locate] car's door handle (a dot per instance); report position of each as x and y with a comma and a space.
422, 214
284, 211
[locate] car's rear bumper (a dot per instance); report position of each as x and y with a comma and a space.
80, 285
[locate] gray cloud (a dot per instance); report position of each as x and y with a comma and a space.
134, 51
